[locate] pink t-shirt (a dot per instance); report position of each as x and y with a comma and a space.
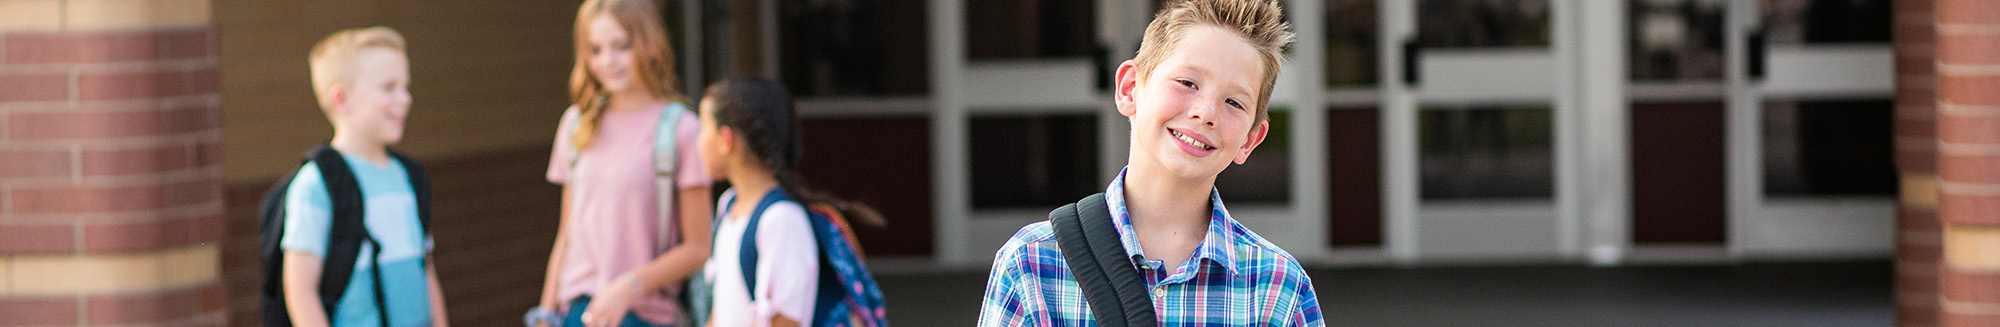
612, 201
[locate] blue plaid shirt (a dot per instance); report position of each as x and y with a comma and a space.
1235, 278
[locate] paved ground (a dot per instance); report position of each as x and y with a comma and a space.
1792, 294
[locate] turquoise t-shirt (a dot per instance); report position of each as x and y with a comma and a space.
391, 217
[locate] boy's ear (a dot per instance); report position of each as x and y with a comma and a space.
336, 98
1257, 134
1127, 85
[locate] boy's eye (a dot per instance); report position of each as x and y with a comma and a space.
1233, 103
1187, 83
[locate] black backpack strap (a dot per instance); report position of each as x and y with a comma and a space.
1111, 284
348, 229
381, 297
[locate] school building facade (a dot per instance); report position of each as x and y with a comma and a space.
136, 136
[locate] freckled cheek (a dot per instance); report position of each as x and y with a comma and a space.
1169, 104
1239, 130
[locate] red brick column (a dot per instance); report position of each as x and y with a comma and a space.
1917, 231
1968, 126
110, 147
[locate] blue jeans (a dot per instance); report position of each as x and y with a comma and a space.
574, 317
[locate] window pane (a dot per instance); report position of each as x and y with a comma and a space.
1678, 173
1829, 148
1267, 176
1354, 167
1351, 49
1034, 161
1486, 152
1030, 28
1676, 39
1483, 23
1827, 21
893, 177
845, 47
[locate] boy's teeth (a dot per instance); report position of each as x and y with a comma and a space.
1189, 140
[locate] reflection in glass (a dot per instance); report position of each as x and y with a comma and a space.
1267, 175
1030, 28
1829, 148
1679, 173
1354, 177
1034, 161
1677, 39
1483, 23
1486, 152
1351, 48
1827, 21
844, 47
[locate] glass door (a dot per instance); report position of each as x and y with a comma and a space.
1810, 109
1471, 130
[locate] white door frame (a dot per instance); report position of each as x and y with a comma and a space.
1582, 67
1762, 226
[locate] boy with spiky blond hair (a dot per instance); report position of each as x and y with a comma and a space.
351, 240
1158, 247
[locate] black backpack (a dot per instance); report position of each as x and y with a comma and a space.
344, 239
1111, 283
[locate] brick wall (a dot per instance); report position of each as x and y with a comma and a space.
1968, 150
110, 164
1918, 242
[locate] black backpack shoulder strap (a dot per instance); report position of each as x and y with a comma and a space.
1111, 285
348, 228
1097, 291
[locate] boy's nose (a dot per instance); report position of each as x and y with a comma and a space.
1202, 111
403, 100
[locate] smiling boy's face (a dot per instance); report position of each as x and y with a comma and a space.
1195, 113
376, 102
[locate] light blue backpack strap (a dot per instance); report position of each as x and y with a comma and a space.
666, 161
700, 290
570, 125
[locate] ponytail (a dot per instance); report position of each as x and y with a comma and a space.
761, 112
790, 181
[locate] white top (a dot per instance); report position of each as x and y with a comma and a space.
787, 268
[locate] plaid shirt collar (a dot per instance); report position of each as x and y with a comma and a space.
1215, 247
